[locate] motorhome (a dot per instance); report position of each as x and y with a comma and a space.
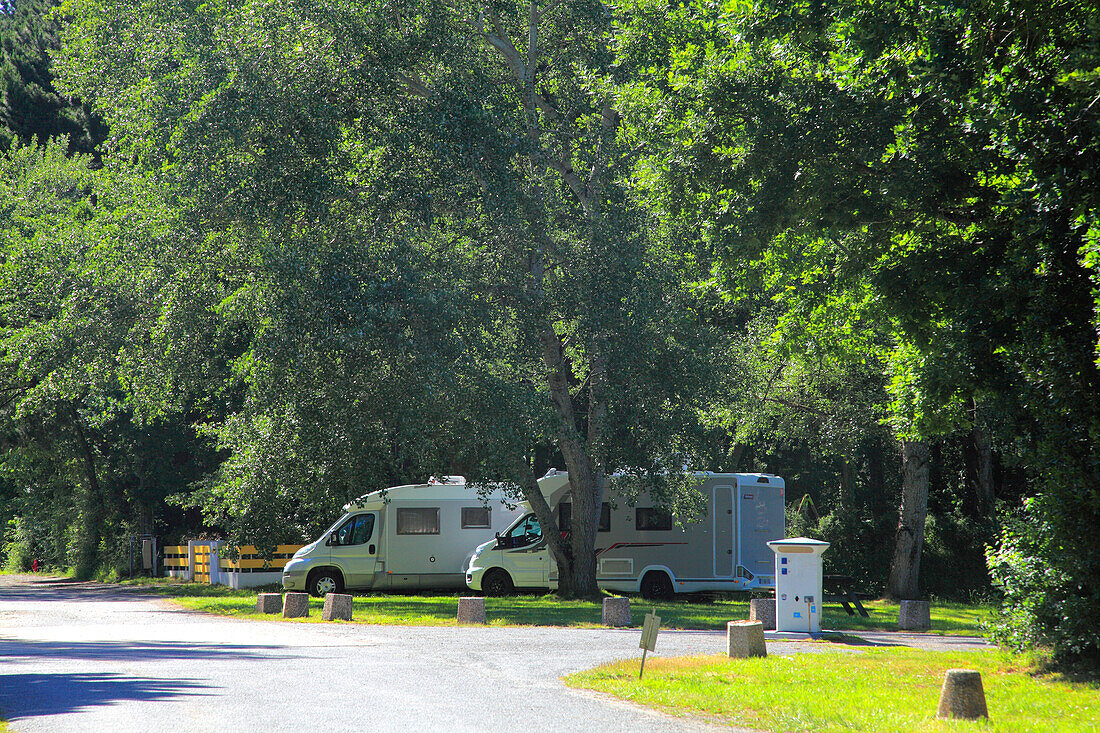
641, 548
415, 536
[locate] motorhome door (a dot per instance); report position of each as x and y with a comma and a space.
723, 531
527, 560
354, 547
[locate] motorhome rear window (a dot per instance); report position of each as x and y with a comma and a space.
475, 517
418, 520
652, 519
565, 516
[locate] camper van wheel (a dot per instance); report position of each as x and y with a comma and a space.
323, 582
497, 582
656, 584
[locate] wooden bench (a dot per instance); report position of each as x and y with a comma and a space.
842, 593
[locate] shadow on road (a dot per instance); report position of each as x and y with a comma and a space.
45, 588
11, 651
33, 695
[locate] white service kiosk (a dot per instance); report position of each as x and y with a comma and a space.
798, 584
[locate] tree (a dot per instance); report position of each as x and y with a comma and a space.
948, 153
416, 202
71, 305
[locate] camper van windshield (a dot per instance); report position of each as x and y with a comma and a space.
525, 532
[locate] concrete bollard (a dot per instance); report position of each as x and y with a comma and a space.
471, 610
914, 616
296, 605
269, 603
962, 695
763, 610
745, 639
616, 612
337, 607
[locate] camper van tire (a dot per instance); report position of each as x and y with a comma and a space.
497, 582
656, 584
324, 581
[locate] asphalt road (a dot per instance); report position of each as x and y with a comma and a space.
89, 657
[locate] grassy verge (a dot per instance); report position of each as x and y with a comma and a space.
548, 610
881, 690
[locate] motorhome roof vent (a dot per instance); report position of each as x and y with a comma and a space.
555, 472
762, 480
447, 480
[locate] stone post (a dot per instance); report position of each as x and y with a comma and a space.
914, 616
763, 610
962, 695
616, 612
269, 603
745, 639
337, 607
296, 605
471, 610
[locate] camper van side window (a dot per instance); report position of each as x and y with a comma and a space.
565, 517
652, 519
416, 520
476, 517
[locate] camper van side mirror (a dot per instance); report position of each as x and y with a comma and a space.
499, 542
331, 539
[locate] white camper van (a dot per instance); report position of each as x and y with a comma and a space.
415, 536
641, 549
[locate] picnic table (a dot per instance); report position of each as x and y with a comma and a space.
839, 590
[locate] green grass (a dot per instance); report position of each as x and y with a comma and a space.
840, 690
549, 610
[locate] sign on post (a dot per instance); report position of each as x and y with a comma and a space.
649, 636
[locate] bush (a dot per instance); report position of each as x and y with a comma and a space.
18, 552
1050, 578
953, 563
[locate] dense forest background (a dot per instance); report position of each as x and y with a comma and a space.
259, 258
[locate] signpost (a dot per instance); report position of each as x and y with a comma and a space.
649, 636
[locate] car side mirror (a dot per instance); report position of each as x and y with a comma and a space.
331, 539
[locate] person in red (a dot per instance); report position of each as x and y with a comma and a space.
34, 566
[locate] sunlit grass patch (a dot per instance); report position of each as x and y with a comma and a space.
441, 609
874, 690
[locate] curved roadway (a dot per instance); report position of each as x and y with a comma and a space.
90, 657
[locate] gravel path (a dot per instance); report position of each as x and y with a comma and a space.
85, 656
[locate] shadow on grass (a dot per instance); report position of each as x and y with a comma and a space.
441, 608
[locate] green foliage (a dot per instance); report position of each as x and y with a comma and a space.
945, 156
383, 238
1049, 580
31, 109
18, 546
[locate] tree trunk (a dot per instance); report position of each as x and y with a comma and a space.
559, 549
905, 567
585, 483
847, 484
983, 479
92, 508
735, 458
876, 473
583, 455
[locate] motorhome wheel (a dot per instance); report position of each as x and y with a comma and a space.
497, 582
656, 584
323, 582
